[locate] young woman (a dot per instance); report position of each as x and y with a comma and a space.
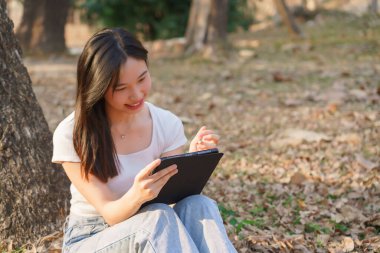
108, 148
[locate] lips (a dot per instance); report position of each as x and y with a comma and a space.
136, 105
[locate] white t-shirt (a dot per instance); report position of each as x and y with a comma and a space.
168, 134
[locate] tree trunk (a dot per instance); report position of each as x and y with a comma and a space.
287, 17
207, 25
29, 33
42, 27
56, 12
373, 7
33, 192
197, 25
217, 29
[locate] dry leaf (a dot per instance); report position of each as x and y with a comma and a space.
280, 77
246, 53
298, 178
351, 138
291, 102
374, 220
368, 165
347, 244
351, 214
359, 94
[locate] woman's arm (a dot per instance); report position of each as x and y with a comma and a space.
174, 152
115, 209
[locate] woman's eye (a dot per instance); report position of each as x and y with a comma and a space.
142, 79
120, 89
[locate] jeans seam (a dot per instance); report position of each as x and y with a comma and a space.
109, 245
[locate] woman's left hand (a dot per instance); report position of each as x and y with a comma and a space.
203, 140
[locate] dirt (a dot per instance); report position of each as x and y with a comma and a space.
300, 128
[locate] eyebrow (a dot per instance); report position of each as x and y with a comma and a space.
141, 75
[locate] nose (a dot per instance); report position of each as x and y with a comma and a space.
136, 94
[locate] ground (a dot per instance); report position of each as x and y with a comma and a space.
300, 128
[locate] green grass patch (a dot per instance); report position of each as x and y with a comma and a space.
258, 210
316, 228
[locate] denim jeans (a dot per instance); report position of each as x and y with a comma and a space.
193, 225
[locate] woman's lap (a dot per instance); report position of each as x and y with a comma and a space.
154, 228
141, 230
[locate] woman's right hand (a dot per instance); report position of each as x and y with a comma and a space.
146, 185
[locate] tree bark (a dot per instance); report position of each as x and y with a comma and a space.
197, 25
42, 27
217, 29
287, 17
207, 25
373, 7
34, 193
29, 33
56, 12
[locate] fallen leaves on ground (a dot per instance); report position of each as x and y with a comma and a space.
301, 140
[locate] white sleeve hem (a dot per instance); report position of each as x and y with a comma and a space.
62, 159
176, 145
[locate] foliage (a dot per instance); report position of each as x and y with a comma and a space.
151, 18
239, 16
156, 18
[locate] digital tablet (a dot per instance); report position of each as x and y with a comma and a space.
194, 170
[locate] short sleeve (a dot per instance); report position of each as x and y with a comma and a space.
174, 134
63, 146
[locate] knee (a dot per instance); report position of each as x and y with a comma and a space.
159, 209
197, 200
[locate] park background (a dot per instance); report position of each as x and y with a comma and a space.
294, 93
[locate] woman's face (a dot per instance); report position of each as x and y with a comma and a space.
133, 87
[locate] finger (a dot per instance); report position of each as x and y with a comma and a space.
211, 137
206, 146
163, 180
200, 137
202, 129
156, 176
147, 171
205, 133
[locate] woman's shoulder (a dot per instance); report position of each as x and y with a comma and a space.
63, 147
66, 125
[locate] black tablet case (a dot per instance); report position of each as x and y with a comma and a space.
193, 174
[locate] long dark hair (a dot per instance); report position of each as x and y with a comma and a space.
98, 69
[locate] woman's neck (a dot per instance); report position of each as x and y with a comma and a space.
125, 120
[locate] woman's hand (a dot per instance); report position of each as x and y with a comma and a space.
146, 185
203, 140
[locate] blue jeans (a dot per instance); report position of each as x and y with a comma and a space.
193, 225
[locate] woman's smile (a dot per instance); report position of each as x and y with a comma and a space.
136, 105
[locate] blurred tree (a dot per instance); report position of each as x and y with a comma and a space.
207, 24
373, 6
34, 193
156, 19
287, 17
42, 27
152, 19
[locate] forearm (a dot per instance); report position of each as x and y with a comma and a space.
121, 209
